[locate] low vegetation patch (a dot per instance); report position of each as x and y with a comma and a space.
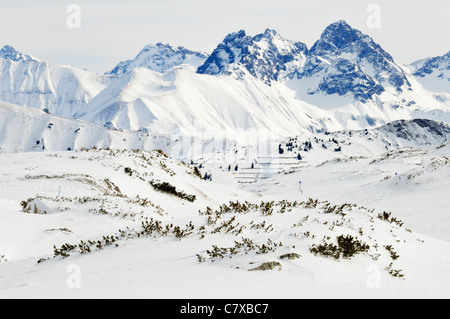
347, 247
388, 217
258, 230
149, 228
167, 188
242, 247
397, 273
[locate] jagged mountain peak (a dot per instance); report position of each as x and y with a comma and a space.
9, 53
269, 31
343, 61
159, 57
346, 61
340, 34
143, 89
279, 43
166, 47
268, 34
235, 35
267, 56
340, 37
242, 37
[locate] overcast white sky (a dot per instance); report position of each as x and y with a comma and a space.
113, 30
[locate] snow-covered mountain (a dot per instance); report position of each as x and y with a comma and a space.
431, 65
267, 56
30, 130
9, 53
182, 100
263, 82
420, 132
58, 89
160, 58
433, 73
345, 61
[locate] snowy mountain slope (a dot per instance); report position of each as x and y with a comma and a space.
160, 58
181, 100
62, 90
282, 154
419, 132
434, 73
407, 181
24, 129
101, 178
29, 130
402, 167
69, 211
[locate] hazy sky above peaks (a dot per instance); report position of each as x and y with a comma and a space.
112, 31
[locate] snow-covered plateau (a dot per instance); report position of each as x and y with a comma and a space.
369, 221
265, 169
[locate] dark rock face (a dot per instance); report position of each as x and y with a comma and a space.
350, 78
350, 62
267, 56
